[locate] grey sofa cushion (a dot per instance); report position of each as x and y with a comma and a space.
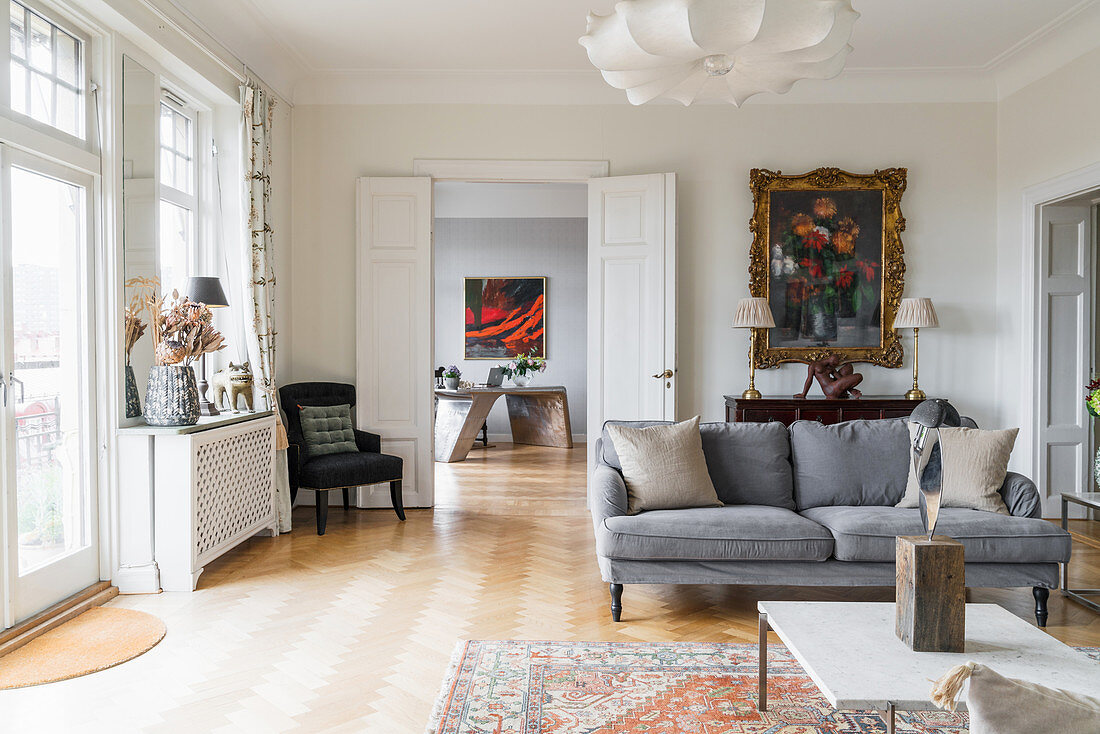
852, 463
748, 463
734, 532
869, 533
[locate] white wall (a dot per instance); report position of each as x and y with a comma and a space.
949, 206
552, 247
1044, 131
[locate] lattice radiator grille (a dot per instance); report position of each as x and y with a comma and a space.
233, 486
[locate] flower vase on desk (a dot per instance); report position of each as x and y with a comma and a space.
521, 380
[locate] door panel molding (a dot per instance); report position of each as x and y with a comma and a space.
394, 305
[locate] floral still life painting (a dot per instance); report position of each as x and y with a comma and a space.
505, 317
827, 256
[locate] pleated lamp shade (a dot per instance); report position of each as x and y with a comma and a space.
916, 313
753, 313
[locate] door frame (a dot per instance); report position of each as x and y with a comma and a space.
90, 464
1077, 183
500, 171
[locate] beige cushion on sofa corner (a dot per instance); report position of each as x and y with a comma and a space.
975, 463
664, 467
999, 705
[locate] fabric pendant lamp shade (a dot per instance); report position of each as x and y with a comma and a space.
916, 313
753, 313
207, 290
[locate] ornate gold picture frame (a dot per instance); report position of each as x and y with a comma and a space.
827, 254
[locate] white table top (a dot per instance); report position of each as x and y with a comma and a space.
851, 652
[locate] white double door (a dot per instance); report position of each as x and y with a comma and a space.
47, 386
631, 313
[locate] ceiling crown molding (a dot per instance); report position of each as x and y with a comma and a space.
445, 86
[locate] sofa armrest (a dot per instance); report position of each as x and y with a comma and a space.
293, 467
606, 494
1021, 496
368, 443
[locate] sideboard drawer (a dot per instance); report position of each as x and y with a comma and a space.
828, 416
752, 415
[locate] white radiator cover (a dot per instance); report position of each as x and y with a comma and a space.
212, 487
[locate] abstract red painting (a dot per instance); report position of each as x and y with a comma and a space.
505, 317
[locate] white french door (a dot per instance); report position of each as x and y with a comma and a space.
47, 394
1065, 343
631, 299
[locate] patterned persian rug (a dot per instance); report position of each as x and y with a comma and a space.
513, 687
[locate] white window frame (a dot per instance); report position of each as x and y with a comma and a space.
190, 201
88, 140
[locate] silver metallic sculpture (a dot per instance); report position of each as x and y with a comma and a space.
927, 456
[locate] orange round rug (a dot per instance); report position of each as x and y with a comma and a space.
100, 638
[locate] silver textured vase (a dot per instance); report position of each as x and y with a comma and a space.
172, 397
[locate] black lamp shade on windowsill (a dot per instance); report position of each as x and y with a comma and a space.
208, 290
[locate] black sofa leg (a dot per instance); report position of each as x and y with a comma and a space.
322, 511
347, 503
1041, 596
395, 497
616, 602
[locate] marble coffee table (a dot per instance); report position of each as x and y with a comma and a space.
850, 651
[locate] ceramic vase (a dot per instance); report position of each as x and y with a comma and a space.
451, 382
1096, 469
133, 399
521, 380
172, 397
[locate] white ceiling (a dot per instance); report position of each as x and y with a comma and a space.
296, 40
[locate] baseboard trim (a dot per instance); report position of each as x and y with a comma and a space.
578, 438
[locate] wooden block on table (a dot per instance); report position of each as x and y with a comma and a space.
931, 593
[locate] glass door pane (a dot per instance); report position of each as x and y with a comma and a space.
49, 369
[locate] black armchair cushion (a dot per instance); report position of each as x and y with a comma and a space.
349, 470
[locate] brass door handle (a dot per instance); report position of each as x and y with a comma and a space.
666, 375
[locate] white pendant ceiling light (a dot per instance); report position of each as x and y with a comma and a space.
725, 50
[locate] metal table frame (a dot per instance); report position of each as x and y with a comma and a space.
889, 715
1090, 500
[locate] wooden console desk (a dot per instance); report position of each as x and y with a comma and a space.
787, 410
538, 415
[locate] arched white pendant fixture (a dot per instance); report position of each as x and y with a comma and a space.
724, 50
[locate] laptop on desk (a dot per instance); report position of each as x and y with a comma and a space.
495, 378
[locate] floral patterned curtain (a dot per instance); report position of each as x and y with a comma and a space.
259, 108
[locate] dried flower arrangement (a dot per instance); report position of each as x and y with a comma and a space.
134, 326
183, 330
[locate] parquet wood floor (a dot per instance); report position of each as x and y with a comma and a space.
353, 631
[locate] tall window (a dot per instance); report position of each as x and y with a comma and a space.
47, 71
178, 200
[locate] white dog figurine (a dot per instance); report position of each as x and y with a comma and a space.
233, 381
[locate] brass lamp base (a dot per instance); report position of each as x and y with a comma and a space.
751, 394
915, 394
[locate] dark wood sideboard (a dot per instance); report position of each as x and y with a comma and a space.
787, 410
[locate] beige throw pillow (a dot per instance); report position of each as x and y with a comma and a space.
1000, 705
975, 463
664, 467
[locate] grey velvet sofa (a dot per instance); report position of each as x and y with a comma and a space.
811, 505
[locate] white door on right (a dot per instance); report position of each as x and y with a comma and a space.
1065, 349
631, 299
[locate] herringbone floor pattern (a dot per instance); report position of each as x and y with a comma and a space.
352, 632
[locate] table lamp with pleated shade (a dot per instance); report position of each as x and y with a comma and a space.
752, 313
916, 314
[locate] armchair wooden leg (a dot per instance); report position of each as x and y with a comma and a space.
322, 511
347, 503
395, 497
